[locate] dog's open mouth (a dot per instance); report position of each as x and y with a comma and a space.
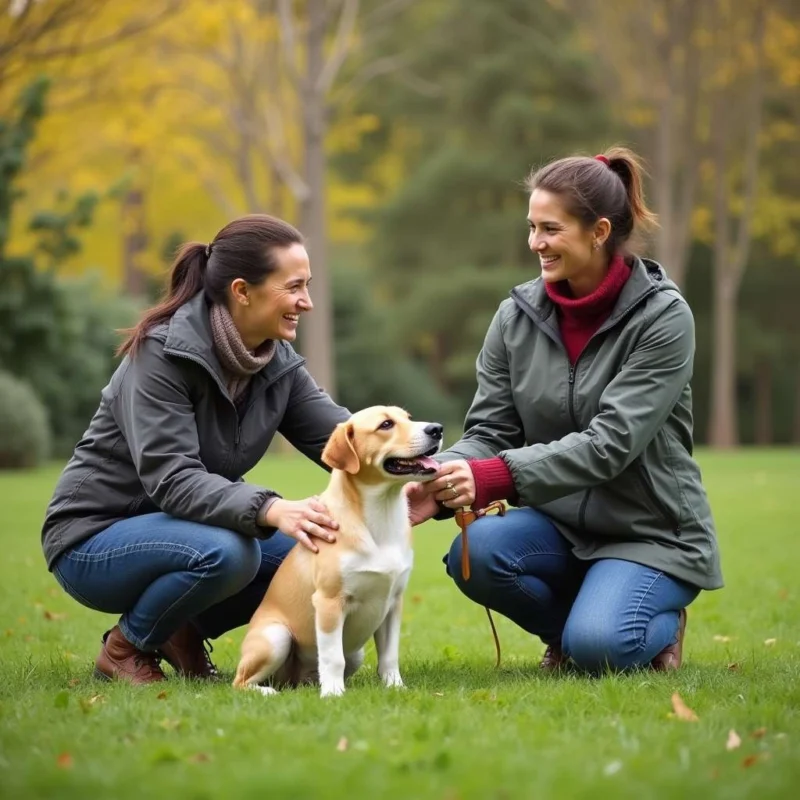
417, 465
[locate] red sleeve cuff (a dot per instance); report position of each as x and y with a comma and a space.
493, 481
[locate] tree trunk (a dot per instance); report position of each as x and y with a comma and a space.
134, 238
763, 410
317, 326
796, 424
724, 412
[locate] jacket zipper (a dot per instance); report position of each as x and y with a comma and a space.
657, 502
237, 433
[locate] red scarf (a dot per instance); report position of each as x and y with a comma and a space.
580, 317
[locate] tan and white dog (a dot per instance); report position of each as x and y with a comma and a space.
322, 608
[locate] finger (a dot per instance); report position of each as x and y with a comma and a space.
304, 540
319, 532
449, 499
325, 523
322, 510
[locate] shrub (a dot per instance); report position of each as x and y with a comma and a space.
24, 428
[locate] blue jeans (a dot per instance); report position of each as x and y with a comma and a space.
605, 614
160, 572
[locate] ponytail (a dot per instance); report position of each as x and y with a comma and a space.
187, 278
629, 167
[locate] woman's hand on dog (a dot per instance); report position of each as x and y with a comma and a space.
303, 520
454, 484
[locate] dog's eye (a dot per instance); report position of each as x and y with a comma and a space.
386, 425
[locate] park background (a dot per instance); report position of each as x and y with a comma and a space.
397, 135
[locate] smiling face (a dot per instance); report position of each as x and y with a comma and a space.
382, 443
567, 250
272, 309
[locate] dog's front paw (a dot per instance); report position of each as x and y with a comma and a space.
331, 689
392, 679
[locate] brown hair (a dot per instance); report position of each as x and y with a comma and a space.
243, 249
607, 186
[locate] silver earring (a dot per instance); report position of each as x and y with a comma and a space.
597, 245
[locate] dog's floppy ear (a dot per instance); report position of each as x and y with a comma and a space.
340, 452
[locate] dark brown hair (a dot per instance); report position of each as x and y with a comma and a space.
591, 188
244, 248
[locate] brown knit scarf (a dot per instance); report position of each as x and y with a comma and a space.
238, 363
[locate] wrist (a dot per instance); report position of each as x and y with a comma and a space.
268, 512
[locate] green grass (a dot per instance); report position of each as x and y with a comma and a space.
462, 729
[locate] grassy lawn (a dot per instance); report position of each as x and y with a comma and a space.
462, 729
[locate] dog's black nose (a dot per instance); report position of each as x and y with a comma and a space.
434, 430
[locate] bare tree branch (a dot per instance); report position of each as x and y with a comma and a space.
752, 149
341, 46
289, 40
128, 30
276, 143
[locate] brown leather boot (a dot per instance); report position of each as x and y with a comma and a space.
119, 659
671, 656
553, 659
186, 652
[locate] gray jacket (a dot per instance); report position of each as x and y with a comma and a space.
167, 437
603, 447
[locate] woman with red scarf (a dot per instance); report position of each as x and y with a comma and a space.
582, 419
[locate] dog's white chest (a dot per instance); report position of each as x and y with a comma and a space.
377, 574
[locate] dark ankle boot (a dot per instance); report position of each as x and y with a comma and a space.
186, 652
553, 659
120, 660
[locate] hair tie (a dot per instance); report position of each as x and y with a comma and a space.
208, 250
603, 158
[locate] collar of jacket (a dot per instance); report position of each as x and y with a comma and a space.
188, 335
647, 277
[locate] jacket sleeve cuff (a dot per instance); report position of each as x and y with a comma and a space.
265, 531
493, 481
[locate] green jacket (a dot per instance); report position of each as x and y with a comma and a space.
167, 437
603, 447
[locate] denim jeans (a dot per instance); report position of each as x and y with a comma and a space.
159, 572
607, 613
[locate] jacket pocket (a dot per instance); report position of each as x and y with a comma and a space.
659, 506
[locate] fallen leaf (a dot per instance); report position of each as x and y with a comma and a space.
759, 733
53, 592
438, 694
170, 724
9, 632
64, 761
161, 696
343, 744
682, 711
98, 698
200, 758
734, 740
781, 736
416, 598
74, 681
733, 665
719, 638
749, 761
783, 594
53, 616
714, 773
770, 642
612, 768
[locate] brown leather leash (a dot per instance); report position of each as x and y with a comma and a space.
465, 517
